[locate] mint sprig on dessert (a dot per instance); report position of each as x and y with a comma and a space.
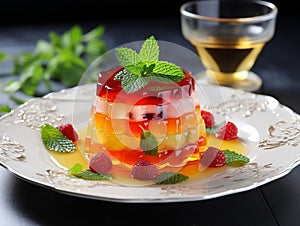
140, 68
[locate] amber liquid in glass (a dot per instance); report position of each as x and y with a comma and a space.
227, 60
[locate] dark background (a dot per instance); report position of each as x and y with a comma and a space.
23, 22
38, 11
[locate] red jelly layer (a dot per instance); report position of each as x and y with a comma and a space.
153, 93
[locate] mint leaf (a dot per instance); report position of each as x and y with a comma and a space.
44, 47
214, 129
145, 64
4, 109
137, 69
54, 139
148, 143
235, 159
2, 56
170, 178
123, 75
136, 84
30, 79
149, 50
168, 70
94, 49
77, 168
131, 82
210, 130
89, 175
127, 56
72, 37
77, 171
94, 34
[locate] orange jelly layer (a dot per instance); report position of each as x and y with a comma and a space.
156, 126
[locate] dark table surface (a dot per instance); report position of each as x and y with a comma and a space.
275, 203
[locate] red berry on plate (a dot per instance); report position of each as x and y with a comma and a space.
144, 170
208, 118
100, 163
213, 157
68, 130
228, 132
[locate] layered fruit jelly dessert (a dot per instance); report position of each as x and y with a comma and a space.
160, 122
169, 112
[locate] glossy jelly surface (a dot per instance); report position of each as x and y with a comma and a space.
170, 111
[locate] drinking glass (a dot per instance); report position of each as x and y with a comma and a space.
228, 37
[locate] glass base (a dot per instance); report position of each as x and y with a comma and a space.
252, 83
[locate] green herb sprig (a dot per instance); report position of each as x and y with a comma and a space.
64, 58
140, 68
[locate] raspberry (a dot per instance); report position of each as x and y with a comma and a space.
228, 132
208, 118
100, 163
213, 157
68, 130
144, 170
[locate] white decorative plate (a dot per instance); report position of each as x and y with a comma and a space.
269, 130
